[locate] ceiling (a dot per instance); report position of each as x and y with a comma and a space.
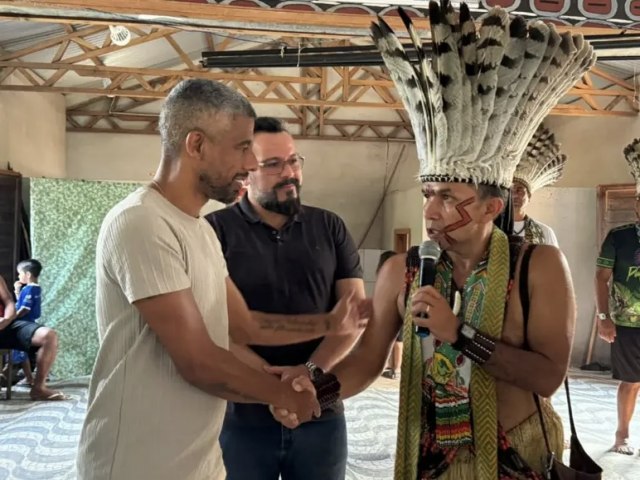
111, 88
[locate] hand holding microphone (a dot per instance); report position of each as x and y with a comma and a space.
429, 299
429, 253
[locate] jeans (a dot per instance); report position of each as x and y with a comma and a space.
314, 451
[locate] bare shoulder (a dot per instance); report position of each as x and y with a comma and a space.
547, 257
384, 325
390, 283
392, 270
548, 269
552, 307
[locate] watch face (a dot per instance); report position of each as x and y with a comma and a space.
468, 331
603, 316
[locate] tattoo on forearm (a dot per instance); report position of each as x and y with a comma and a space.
293, 323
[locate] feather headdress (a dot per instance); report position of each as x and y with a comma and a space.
476, 103
542, 163
632, 154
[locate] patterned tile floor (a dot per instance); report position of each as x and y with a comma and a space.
38, 440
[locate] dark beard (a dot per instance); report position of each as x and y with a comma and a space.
222, 193
289, 207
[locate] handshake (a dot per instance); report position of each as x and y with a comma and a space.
298, 401
299, 398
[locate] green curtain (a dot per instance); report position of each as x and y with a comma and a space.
65, 220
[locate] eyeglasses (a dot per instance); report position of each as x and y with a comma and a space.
275, 166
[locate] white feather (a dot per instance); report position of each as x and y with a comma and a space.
632, 155
542, 163
477, 103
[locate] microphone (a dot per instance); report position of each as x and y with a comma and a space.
429, 253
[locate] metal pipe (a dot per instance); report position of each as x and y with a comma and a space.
356, 56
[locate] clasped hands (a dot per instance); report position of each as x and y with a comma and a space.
299, 403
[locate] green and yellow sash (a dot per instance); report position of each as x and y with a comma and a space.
490, 298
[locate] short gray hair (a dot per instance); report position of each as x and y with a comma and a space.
192, 101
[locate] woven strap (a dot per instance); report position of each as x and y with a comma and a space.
484, 400
408, 442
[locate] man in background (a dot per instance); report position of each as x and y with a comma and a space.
541, 165
618, 303
291, 259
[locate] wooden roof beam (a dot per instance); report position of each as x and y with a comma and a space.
51, 42
199, 17
110, 71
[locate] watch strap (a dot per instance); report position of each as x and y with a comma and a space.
314, 370
327, 390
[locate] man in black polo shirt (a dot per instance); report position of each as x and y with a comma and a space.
289, 259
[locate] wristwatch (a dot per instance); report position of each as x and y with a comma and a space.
603, 316
314, 371
466, 334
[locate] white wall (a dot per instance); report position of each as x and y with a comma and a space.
345, 177
594, 148
571, 214
33, 136
403, 209
369, 258
403, 204
106, 156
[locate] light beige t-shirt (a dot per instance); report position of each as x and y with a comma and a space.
144, 421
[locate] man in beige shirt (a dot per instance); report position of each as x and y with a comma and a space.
166, 307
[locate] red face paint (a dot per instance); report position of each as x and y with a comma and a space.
465, 219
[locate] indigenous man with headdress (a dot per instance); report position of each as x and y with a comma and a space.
466, 404
541, 165
618, 303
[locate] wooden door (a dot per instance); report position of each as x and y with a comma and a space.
401, 240
10, 208
616, 206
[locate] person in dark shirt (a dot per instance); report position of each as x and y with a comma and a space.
617, 285
293, 259
618, 302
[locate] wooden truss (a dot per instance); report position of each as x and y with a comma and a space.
601, 93
339, 103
